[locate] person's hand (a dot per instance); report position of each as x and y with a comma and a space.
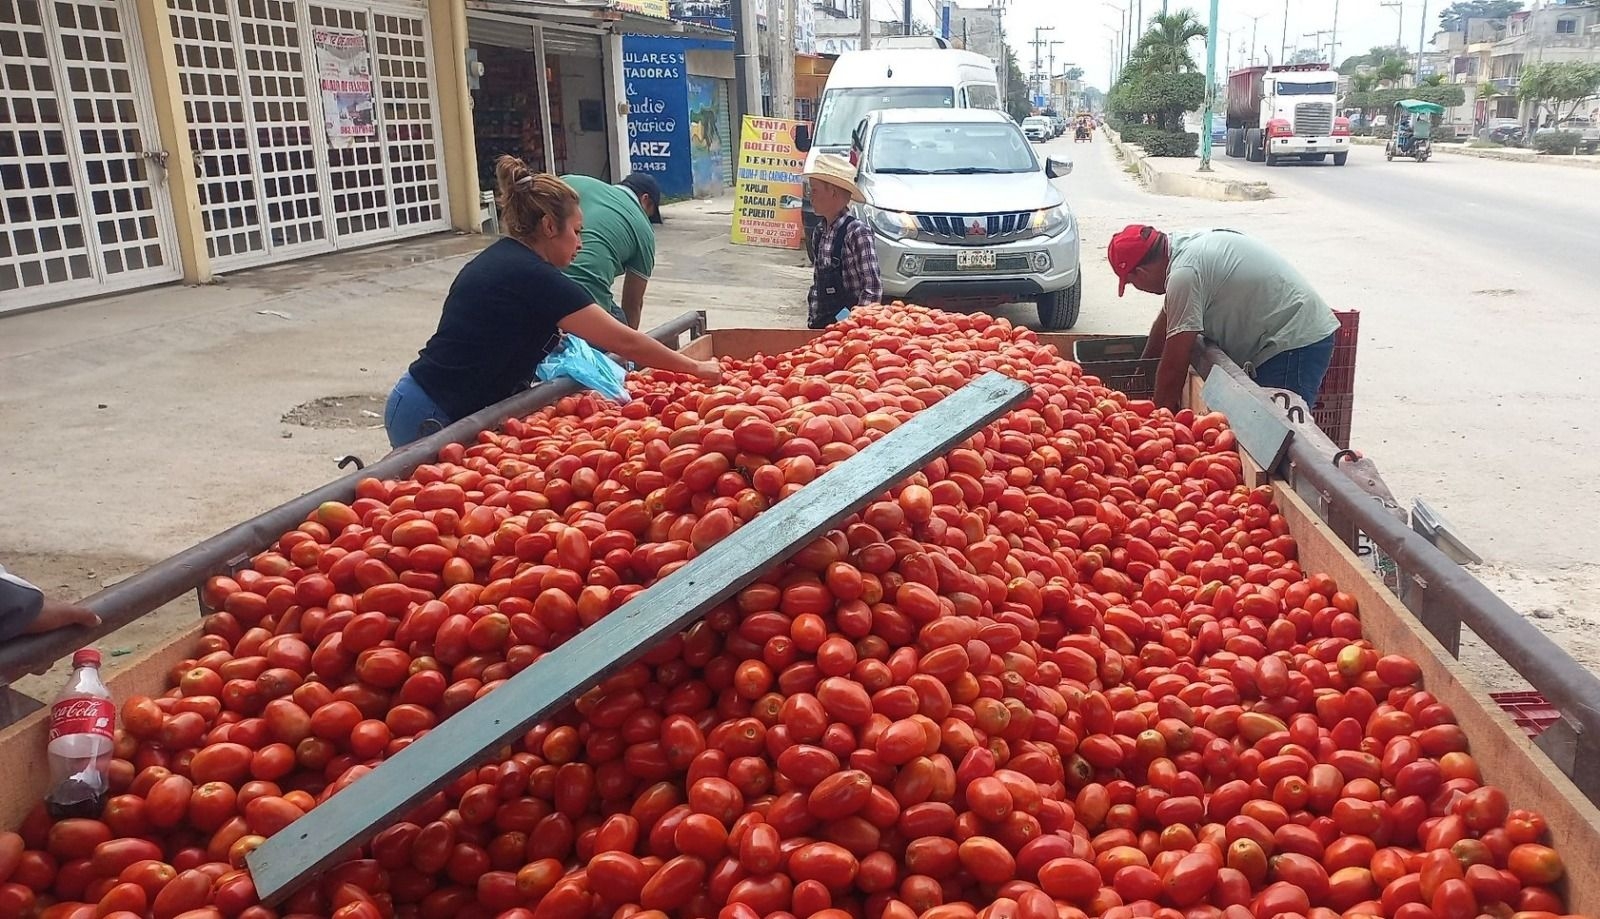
710, 371
57, 614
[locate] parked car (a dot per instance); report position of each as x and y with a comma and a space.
965, 215
1588, 132
1038, 128
1508, 131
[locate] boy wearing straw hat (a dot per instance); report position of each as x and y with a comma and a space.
846, 271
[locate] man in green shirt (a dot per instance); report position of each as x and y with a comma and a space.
1240, 295
617, 239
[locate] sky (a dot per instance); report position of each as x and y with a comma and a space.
1085, 27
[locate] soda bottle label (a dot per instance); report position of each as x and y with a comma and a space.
82, 716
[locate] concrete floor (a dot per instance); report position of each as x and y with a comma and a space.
139, 424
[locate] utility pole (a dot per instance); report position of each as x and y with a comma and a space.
1422, 34
783, 65
1211, 89
1255, 24
1050, 78
1333, 41
908, 18
1039, 44
1284, 55
1399, 8
866, 25
1316, 38
747, 59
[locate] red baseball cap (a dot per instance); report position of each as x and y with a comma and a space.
1128, 249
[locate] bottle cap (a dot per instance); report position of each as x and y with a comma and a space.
86, 657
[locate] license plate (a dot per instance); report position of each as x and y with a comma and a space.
975, 259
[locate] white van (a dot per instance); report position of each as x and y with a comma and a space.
863, 82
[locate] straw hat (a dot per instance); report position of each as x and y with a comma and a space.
836, 171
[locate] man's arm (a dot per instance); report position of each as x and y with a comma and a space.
1156, 343
633, 287
1174, 369
861, 270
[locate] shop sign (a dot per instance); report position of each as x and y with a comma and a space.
656, 8
658, 118
768, 186
344, 75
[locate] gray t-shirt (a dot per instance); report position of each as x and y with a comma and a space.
1242, 296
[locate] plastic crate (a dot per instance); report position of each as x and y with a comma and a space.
1529, 710
1336, 401
1117, 362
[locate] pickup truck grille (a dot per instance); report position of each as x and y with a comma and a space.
1313, 119
1004, 264
964, 228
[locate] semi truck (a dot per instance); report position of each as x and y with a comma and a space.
1286, 112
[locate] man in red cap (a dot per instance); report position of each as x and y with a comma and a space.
1243, 297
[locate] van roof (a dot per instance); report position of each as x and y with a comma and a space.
907, 67
939, 115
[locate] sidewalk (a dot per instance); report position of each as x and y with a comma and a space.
1167, 175
139, 424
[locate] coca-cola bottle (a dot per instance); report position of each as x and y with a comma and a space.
82, 720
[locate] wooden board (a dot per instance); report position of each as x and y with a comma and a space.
348, 819
22, 759
1503, 752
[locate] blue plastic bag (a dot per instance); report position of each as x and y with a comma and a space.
581, 361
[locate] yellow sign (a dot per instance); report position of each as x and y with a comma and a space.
656, 8
768, 187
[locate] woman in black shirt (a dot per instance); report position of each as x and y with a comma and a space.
506, 310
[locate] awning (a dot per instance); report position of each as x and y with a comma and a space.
620, 16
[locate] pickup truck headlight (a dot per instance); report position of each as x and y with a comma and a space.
1051, 221
892, 224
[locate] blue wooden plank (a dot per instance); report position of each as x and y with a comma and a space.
1262, 434
347, 820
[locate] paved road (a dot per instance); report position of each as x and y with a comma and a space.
1539, 216
1476, 378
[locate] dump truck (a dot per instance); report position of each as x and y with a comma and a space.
1286, 112
1411, 609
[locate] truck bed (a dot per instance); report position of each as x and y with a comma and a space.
1504, 753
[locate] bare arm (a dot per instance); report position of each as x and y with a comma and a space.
597, 327
1158, 337
633, 286
1174, 369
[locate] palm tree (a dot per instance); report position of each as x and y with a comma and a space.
1391, 70
1165, 47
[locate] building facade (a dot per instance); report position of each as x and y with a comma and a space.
151, 141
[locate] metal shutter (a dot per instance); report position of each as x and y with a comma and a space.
725, 129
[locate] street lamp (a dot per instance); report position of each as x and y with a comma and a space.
1211, 90
1125, 18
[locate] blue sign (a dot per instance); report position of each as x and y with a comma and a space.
657, 87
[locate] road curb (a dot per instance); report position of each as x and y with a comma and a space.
1507, 155
1186, 183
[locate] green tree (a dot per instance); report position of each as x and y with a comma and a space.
1435, 80
1074, 73
1392, 70
1018, 105
1374, 58
1551, 85
1363, 83
1165, 47
1453, 18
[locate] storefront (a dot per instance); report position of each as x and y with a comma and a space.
149, 141
680, 124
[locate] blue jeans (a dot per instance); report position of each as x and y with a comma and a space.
411, 413
1300, 371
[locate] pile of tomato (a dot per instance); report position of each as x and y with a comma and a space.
1071, 668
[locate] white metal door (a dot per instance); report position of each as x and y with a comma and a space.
251, 126
272, 186
86, 210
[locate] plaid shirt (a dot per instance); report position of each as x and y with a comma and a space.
860, 259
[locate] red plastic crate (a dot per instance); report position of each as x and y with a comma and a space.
1528, 709
1336, 401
